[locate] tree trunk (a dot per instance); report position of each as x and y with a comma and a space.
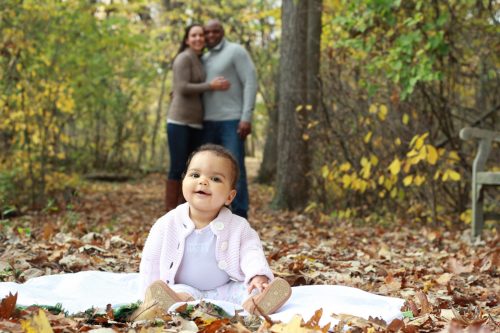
293, 156
267, 170
313, 51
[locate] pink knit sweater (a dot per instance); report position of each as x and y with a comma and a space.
238, 248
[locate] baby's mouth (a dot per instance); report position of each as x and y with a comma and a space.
202, 192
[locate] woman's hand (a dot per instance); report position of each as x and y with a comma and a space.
258, 281
219, 83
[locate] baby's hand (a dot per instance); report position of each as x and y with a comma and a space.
258, 281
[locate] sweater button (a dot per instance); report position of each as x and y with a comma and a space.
222, 264
219, 226
223, 246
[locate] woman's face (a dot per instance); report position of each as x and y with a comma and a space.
196, 39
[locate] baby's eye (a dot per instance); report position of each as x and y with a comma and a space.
216, 179
194, 175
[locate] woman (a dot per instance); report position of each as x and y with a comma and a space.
185, 115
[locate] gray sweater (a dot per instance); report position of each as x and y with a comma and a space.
188, 85
233, 62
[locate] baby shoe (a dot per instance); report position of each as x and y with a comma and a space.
159, 297
270, 300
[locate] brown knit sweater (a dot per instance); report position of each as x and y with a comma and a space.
188, 85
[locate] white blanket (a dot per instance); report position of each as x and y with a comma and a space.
81, 291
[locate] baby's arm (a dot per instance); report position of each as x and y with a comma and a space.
258, 281
149, 269
253, 261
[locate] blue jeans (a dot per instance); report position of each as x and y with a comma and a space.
225, 133
182, 141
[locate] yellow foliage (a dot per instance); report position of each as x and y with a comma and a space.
382, 114
346, 166
39, 323
395, 166
368, 137
408, 180
346, 179
432, 154
406, 119
419, 180
372, 109
305, 137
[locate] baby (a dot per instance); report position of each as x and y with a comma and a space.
201, 250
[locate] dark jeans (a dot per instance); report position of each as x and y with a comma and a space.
224, 133
182, 141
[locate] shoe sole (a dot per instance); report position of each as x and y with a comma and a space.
158, 296
161, 294
273, 297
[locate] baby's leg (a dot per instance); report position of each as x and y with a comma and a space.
187, 293
233, 292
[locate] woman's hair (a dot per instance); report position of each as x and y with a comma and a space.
186, 36
220, 152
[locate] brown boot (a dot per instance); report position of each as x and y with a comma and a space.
172, 194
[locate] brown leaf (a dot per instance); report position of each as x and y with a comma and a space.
457, 268
395, 325
425, 306
313, 323
7, 306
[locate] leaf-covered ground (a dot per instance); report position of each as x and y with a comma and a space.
448, 283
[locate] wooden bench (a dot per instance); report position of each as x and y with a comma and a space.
480, 177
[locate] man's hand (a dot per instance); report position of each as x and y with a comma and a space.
244, 128
258, 281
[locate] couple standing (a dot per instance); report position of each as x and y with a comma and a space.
212, 102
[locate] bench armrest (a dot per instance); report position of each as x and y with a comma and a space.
468, 133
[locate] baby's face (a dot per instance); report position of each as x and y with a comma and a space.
207, 185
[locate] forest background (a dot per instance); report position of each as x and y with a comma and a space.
359, 107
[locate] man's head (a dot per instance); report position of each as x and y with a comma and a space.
214, 32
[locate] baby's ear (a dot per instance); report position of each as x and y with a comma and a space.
230, 197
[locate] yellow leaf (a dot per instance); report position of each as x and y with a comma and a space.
324, 171
374, 160
346, 166
394, 192
305, 137
346, 179
453, 155
373, 109
432, 154
364, 161
368, 137
395, 166
408, 180
455, 176
406, 119
419, 180
397, 142
309, 107
293, 326
299, 108
381, 180
382, 113
39, 323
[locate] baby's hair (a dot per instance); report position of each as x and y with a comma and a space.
220, 152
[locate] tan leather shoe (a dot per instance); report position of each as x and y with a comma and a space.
270, 300
159, 297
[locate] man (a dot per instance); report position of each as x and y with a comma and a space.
228, 114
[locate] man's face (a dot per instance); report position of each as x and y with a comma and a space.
213, 34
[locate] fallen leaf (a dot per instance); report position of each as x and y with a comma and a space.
39, 323
7, 306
